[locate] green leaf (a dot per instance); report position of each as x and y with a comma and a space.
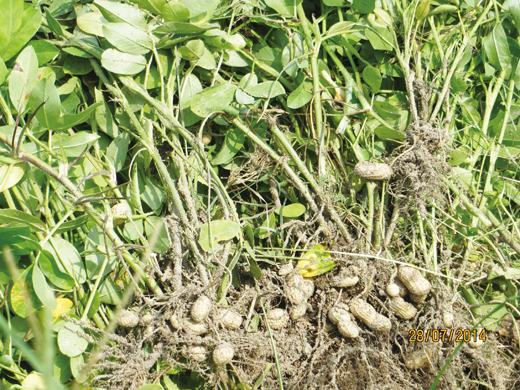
444, 8
73, 145
151, 224
233, 142
151, 387
380, 38
207, 61
45, 51
267, 89
372, 77
122, 13
497, 48
61, 7
283, 7
77, 364
190, 88
11, 174
45, 91
154, 6
51, 270
13, 234
181, 29
97, 253
18, 294
200, 10
364, 6
514, 47
71, 120
23, 78
42, 289
174, 11
384, 133
470, 110
108, 293
11, 21
127, 38
18, 27
508, 273
117, 151
513, 6
193, 50
339, 28
69, 342
53, 24
122, 63
3, 71
104, 117
69, 260
300, 96
334, 3
62, 370
77, 65
212, 99
92, 22
221, 230
153, 194
17, 218
222, 40
72, 225
422, 10
292, 211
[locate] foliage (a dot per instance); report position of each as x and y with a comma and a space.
242, 121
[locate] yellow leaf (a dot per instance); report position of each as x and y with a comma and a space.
64, 305
317, 252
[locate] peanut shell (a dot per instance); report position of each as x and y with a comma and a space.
201, 308
373, 170
402, 308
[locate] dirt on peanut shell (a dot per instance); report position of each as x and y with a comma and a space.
310, 351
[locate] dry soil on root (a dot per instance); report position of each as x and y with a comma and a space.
311, 352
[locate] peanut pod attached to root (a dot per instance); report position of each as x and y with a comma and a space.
366, 313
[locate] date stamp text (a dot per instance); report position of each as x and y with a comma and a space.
446, 335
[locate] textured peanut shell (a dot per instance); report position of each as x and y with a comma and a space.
230, 319
196, 328
338, 313
147, 319
286, 269
402, 308
298, 311
417, 360
373, 170
381, 324
392, 290
476, 344
174, 320
414, 281
121, 209
278, 318
418, 298
345, 281
128, 319
223, 354
447, 318
348, 329
363, 310
295, 295
201, 308
307, 286
196, 352
295, 279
